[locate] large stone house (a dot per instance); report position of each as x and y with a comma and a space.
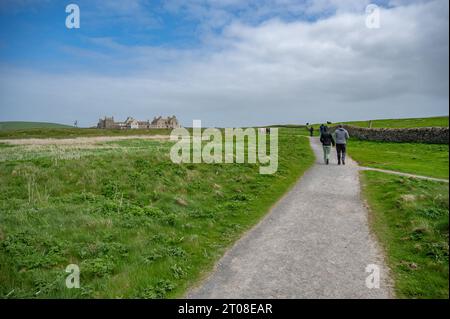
130, 123
169, 122
106, 122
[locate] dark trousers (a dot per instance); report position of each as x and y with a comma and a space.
341, 150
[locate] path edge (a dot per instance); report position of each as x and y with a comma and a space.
204, 277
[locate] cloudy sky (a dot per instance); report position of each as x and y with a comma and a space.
225, 62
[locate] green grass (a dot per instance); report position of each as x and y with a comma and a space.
439, 121
136, 224
415, 158
49, 130
410, 217
18, 125
75, 132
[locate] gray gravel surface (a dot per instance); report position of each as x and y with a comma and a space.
314, 243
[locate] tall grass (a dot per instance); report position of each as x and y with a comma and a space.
410, 218
136, 224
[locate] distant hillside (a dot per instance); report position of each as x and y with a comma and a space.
18, 125
439, 121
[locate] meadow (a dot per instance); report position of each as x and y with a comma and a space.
74, 132
137, 225
414, 158
15, 130
140, 226
410, 218
21, 125
438, 121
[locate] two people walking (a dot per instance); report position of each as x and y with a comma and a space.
338, 139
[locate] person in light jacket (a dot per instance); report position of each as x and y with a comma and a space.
341, 136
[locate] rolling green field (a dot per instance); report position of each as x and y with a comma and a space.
410, 218
140, 226
75, 132
439, 121
415, 158
19, 125
49, 130
136, 224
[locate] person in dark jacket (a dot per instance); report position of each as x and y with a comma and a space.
321, 128
327, 140
311, 131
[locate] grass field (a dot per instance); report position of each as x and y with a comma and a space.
34, 130
415, 158
18, 125
75, 132
411, 219
136, 224
439, 121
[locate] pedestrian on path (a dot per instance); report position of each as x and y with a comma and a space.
327, 140
311, 131
322, 128
341, 136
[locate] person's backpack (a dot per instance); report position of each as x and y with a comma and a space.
327, 139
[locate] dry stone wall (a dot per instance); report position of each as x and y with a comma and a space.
430, 135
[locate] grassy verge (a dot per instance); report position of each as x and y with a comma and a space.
410, 218
136, 224
415, 158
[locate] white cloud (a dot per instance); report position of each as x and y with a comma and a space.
273, 72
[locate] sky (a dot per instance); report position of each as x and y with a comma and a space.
224, 62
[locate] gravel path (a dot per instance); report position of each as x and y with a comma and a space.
315, 243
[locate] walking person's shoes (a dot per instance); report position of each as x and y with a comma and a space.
328, 161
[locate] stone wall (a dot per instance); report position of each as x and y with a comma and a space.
430, 135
